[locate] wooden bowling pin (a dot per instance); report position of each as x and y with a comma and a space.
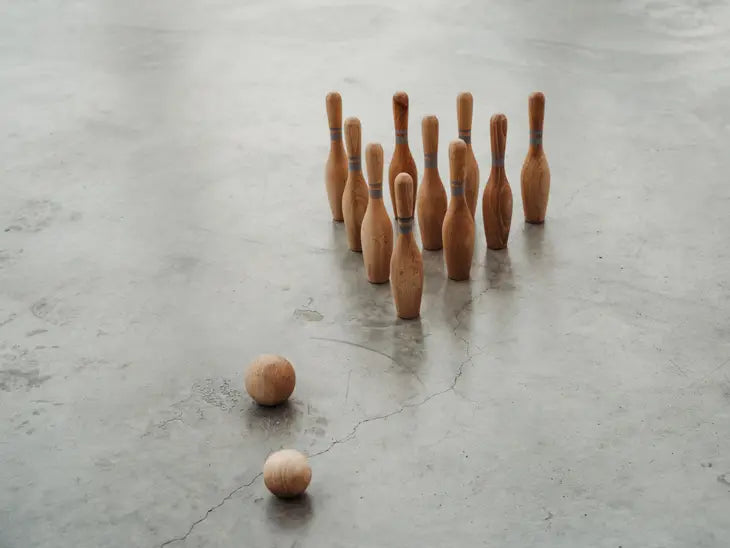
335, 170
458, 231
535, 176
402, 161
431, 201
377, 230
355, 196
464, 110
497, 199
406, 265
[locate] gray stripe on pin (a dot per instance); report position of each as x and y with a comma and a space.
405, 225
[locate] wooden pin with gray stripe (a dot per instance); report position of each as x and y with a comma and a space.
377, 231
458, 230
497, 199
464, 115
355, 196
335, 171
402, 161
535, 176
406, 265
431, 200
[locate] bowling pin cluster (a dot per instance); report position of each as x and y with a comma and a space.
444, 225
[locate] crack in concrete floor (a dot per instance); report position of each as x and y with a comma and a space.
352, 434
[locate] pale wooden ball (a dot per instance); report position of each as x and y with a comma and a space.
287, 473
270, 379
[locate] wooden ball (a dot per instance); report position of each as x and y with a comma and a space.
287, 473
270, 379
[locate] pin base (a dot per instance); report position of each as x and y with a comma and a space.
535, 222
409, 317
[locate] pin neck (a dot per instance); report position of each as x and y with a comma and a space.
457, 188
335, 134
405, 225
353, 163
536, 140
498, 162
375, 190
401, 136
430, 161
465, 135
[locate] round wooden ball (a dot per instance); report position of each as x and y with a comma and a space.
270, 379
287, 473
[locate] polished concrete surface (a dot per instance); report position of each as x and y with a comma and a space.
164, 220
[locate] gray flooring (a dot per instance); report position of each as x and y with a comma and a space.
164, 220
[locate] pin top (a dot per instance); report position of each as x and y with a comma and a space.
374, 161
400, 110
457, 155
352, 137
430, 133
464, 110
536, 110
334, 109
404, 195
498, 134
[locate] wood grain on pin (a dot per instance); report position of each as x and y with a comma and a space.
497, 199
355, 196
431, 201
458, 231
377, 230
335, 170
535, 176
406, 265
464, 111
402, 161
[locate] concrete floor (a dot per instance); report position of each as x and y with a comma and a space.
164, 220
